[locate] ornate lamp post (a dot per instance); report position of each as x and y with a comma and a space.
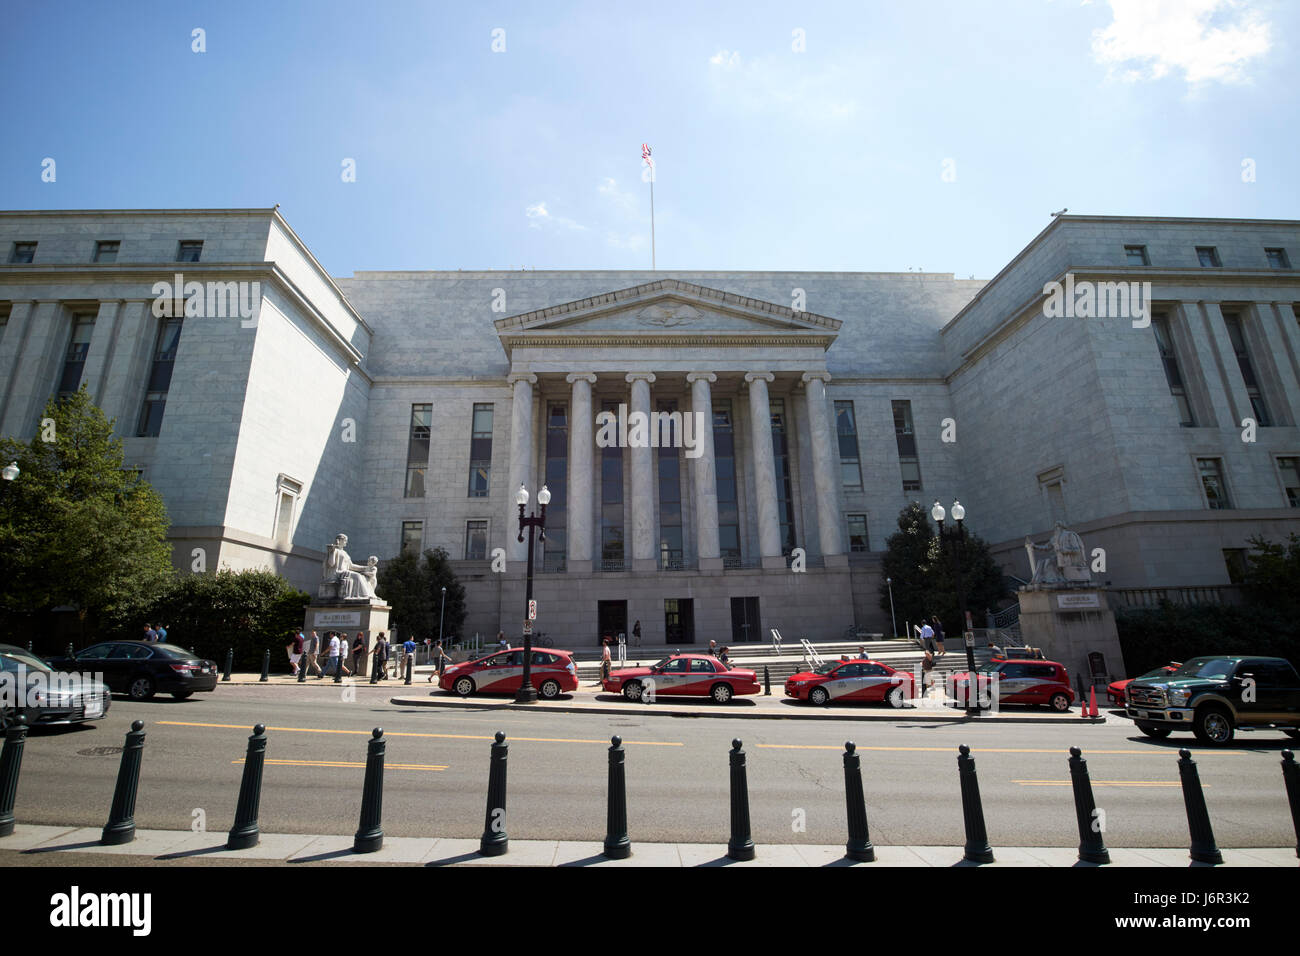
527, 693
954, 540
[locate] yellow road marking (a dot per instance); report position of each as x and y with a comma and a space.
992, 750
346, 763
1102, 783
399, 733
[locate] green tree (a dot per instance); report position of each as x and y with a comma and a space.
413, 585
907, 556
76, 528
1273, 575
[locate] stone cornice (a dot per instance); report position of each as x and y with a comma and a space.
660, 340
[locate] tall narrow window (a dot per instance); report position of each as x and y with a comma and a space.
74, 362
106, 250
1289, 468
904, 434
287, 492
417, 450
724, 459
858, 540
476, 534
480, 452
846, 426
1237, 336
412, 536
557, 483
1169, 358
784, 483
670, 486
611, 502
160, 378
1216, 493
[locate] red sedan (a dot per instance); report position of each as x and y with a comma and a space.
860, 681
683, 675
1116, 689
553, 673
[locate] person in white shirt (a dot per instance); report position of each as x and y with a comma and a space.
333, 665
927, 637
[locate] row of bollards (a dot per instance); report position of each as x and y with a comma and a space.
369, 837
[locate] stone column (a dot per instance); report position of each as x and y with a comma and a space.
39, 364
1233, 381
11, 342
521, 461
824, 460
581, 442
704, 477
760, 438
126, 375
644, 550
102, 341
1203, 347
1278, 328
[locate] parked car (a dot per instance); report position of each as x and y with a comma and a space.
1215, 696
29, 686
502, 672
684, 675
1034, 682
142, 669
855, 681
1115, 690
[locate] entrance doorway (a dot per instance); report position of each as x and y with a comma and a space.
745, 625
679, 620
611, 620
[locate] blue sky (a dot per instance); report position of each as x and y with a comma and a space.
829, 158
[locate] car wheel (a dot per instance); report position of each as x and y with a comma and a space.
1059, 703
550, 689
721, 693
897, 696
1213, 725
141, 687
1292, 732
818, 696
463, 686
1154, 732
632, 691
182, 694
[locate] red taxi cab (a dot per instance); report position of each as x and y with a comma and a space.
683, 675
854, 681
1034, 682
553, 673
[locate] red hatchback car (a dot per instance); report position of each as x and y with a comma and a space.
1021, 682
553, 673
683, 675
855, 681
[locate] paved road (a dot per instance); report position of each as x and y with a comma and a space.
677, 774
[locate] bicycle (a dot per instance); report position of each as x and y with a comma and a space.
540, 639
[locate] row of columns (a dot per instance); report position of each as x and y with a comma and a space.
644, 551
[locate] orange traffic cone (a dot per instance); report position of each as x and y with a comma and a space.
1092, 701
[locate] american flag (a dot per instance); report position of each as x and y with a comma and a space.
645, 154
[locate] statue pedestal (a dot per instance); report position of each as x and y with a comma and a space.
1069, 624
348, 618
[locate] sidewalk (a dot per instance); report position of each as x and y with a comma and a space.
71, 844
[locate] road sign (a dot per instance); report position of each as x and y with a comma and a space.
528, 627
970, 638
532, 610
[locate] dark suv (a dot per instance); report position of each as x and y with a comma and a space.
1214, 696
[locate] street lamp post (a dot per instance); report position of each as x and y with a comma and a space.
527, 693
442, 614
954, 540
893, 621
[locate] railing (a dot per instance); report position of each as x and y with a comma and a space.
1153, 597
776, 642
1007, 618
732, 561
811, 659
612, 564
671, 561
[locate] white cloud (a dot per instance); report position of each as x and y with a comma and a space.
727, 59
621, 199
538, 216
634, 241
785, 84
1208, 40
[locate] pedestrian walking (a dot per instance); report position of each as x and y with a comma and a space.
636, 634
604, 661
381, 649
927, 636
502, 644
439, 658
408, 656
927, 678
358, 651
150, 635
162, 634
938, 635
310, 651
295, 652
713, 648
862, 652
288, 652
332, 664
724, 656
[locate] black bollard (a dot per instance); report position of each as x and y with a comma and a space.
495, 841
977, 840
617, 844
1092, 847
266, 667
740, 846
11, 762
230, 662
374, 672
121, 818
302, 669
245, 833
1290, 773
370, 835
767, 682
859, 846
410, 666
1198, 817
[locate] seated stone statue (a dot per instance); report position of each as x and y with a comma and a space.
1067, 564
342, 580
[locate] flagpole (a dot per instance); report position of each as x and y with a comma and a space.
652, 219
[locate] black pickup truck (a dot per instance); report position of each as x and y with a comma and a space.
1215, 696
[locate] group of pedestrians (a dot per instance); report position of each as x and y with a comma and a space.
305, 652
930, 634
155, 635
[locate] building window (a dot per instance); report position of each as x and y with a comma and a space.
412, 536
160, 378
1208, 256
1235, 560
1216, 492
189, 250
1237, 336
858, 540
1137, 255
784, 483
670, 487
417, 450
74, 362
106, 250
287, 493
476, 535
724, 455
1277, 259
906, 438
23, 252
1290, 471
1169, 358
846, 427
611, 502
480, 451
557, 483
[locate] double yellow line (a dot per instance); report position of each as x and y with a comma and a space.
399, 733
276, 762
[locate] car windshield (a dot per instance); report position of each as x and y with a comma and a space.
172, 650
12, 657
1212, 667
826, 668
661, 663
990, 667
